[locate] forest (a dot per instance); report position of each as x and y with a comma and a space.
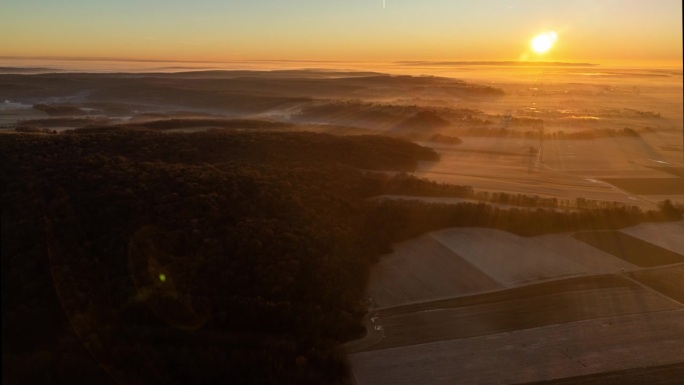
141, 257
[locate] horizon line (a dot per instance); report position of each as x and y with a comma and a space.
495, 62
401, 62
126, 59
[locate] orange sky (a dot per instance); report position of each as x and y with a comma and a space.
605, 31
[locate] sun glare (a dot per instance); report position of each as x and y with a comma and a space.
543, 42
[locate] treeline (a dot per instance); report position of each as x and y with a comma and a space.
591, 134
396, 220
585, 112
93, 124
175, 123
70, 121
355, 111
226, 146
446, 139
629, 112
407, 184
554, 135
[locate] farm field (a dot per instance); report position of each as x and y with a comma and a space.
668, 280
464, 192
529, 307
666, 235
460, 261
513, 260
421, 269
676, 171
575, 284
531, 355
632, 250
458, 305
485, 173
632, 170
564, 312
656, 375
649, 186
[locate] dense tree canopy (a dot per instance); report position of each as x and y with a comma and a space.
240, 252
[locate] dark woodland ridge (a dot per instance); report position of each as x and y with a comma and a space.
141, 257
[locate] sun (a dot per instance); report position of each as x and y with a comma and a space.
543, 42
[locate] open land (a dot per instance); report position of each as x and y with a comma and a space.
458, 305
529, 355
667, 280
556, 319
460, 261
633, 250
666, 235
627, 123
531, 332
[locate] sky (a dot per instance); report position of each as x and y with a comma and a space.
597, 31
